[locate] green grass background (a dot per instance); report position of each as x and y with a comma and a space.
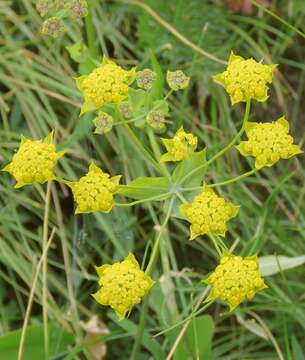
39, 94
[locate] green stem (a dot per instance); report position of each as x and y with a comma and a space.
226, 182
158, 197
45, 270
194, 314
139, 145
157, 242
156, 150
153, 257
215, 244
225, 149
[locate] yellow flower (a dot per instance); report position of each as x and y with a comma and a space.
123, 285
107, 84
94, 191
246, 79
208, 213
235, 279
180, 147
268, 142
34, 161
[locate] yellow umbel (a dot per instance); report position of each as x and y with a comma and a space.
208, 213
107, 84
94, 191
123, 285
268, 142
235, 279
246, 79
34, 161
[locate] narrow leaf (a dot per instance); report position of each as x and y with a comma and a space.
272, 264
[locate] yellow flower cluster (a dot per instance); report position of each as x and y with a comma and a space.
268, 142
34, 161
235, 280
123, 285
107, 84
246, 79
208, 213
180, 147
94, 191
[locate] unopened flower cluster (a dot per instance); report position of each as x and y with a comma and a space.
94, 191
268, 142
34, 161
208, 213
235, 280
103, 123
246, 79
180, 147
123, 285
57, 11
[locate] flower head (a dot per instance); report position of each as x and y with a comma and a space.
94, 191
156, 119
235, 279
107, 84
146, 78
103, 123
44, 7
53, 26
77, 9
177, 80
123, 285
34, 161
268, 142
180, 147
246, 79
208, 213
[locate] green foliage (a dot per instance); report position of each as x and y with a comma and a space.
60, 341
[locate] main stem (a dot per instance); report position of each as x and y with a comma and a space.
152, 260
225, 149
45, 270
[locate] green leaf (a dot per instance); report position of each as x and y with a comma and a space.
78, 52
273, 264
136, 100
60, 340
145, 187
196, 160
81, 54
162, 106
197, 340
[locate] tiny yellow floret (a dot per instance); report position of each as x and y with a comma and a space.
34, 161
268, 142
246, 79
94, 191
208, 213
123, 285
107, 84
235, 279
180, 147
